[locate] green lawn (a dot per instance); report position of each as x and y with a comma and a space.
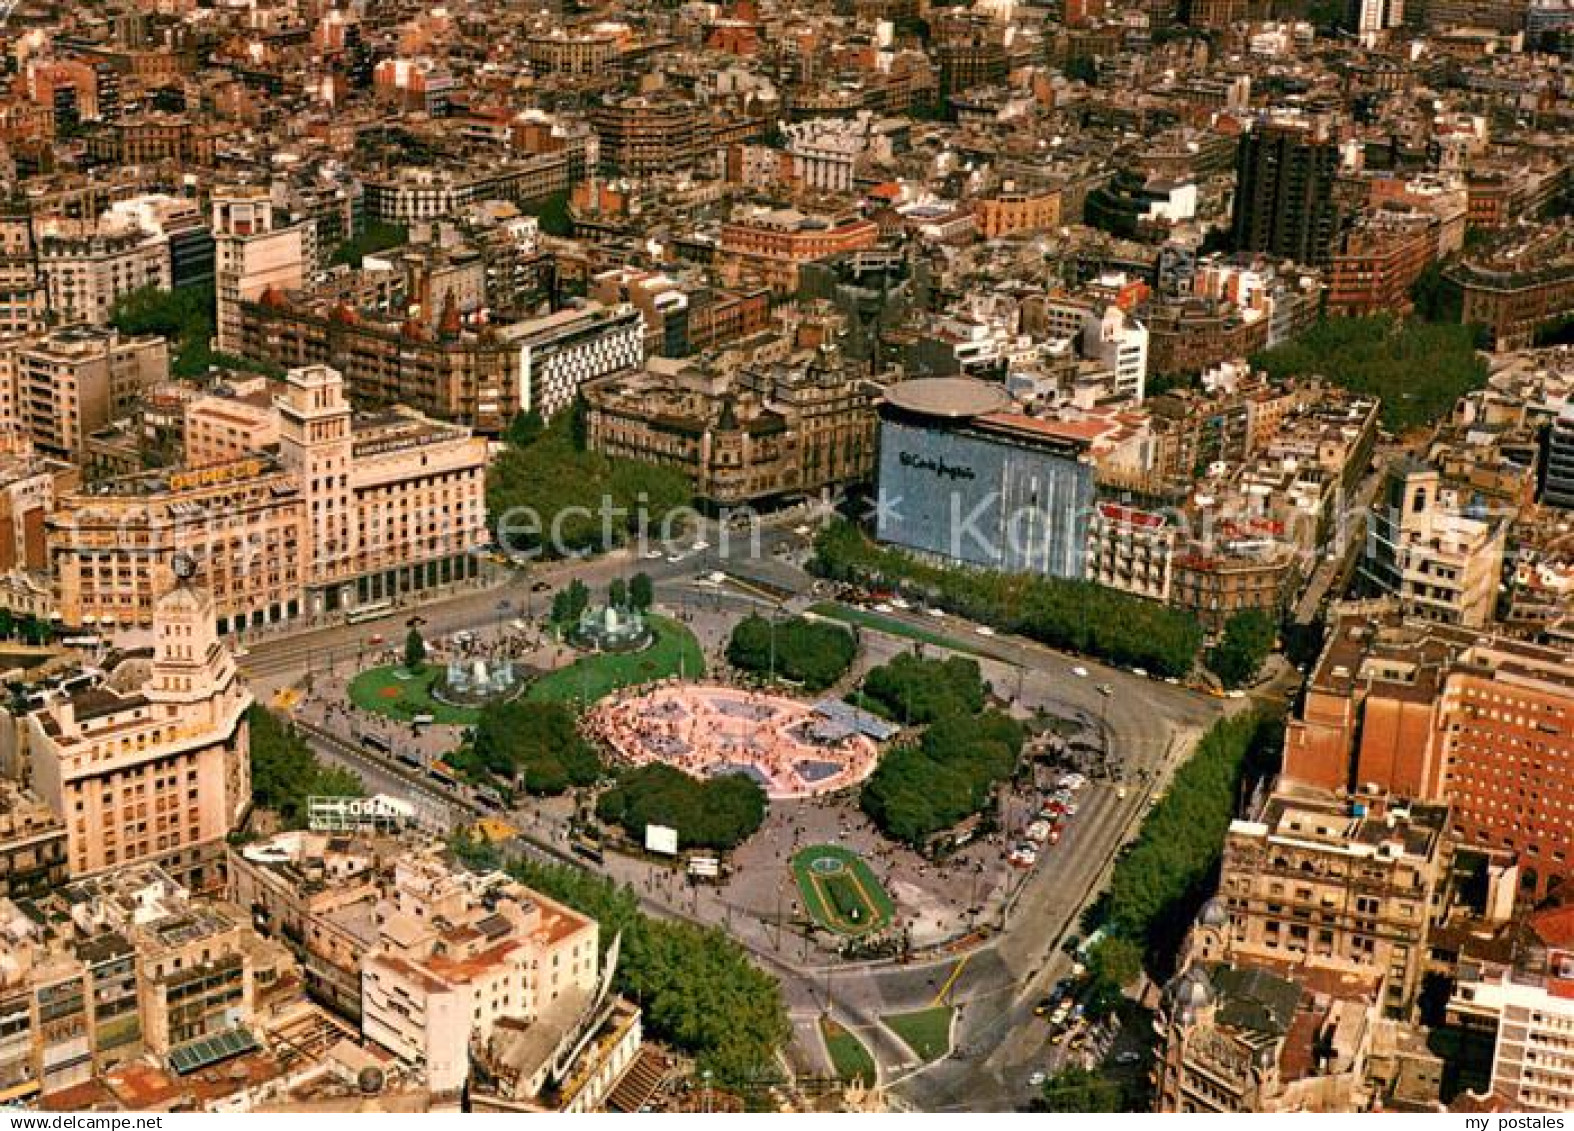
848, 1055
927, 1032
591, 677
391, 691
850, 901
891, 626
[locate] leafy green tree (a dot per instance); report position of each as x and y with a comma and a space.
917, 791
525, 429
813, 653
720, 812
1159, 883
618, 593
695, 985
1418, 369
553, 498
284, 771
1076, 616
7, 623
378, 235
414, 652
1078, 1089
537, 745
642, 592
1116, 961
1245, 643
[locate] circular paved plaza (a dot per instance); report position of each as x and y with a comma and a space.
789, 747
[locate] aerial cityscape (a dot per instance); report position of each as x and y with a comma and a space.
735, 556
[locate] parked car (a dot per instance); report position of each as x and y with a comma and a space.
1080, 672
1038, 831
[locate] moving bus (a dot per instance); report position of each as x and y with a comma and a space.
376, 742
373, 611
587, 848
443, 774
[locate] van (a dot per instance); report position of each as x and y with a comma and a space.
422, 720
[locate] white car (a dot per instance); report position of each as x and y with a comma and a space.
1080, 672
1072, 781
675, 558
1038, 1079
882, 607
802, 531
1120, 794
700, 547
1038, 831
652, 555
900, 603
984, 630
937, 613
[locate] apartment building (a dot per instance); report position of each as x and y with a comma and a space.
1256, 1037
126, 972
1451, 715
61, 388
461, 957
252, 255
150, 764
1441, 564
1131, 550
1345, 884
1527, 1004
769, 245
84, 275
33, 854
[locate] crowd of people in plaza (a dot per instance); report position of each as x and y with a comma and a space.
706, 729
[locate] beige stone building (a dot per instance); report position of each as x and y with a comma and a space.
252, 255
112, 549
85, 275
1345, 885
62, 387
462, 958
291, 505
150, 765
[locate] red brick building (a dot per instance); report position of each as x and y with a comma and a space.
1440, 713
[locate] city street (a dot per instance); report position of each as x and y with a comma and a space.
1005, 927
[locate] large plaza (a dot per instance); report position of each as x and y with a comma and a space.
792, 749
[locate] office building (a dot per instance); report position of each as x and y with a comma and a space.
1451, 715
1557, 485
151, 764
251, 256
1284, 202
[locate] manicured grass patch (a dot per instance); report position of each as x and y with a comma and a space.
839, 891
927, 1032
848, 1055
875, 622
393, 692
675, 652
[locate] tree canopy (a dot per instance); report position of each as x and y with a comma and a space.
1418, 369
536, 744
1076, 616
1246, 642
696, 986
951, 772
551, 497
914, 690
1161, 881
720, 812
285, 772
185, 316
814, 653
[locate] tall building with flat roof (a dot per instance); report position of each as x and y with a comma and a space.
1284, 180
964, 477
